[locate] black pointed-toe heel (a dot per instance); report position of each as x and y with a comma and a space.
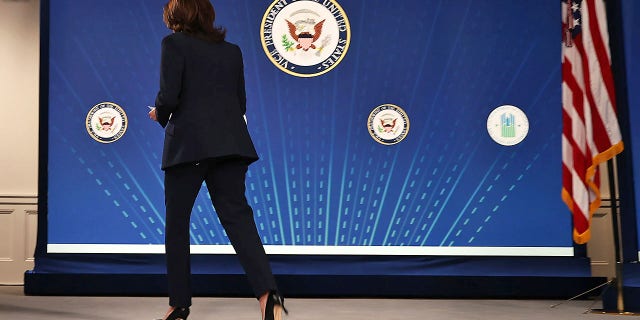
275, 307
177, 314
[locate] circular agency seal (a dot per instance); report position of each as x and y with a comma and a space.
507, 125
106, 122
305, 38
388, 124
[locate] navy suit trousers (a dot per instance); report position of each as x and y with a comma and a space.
225, 180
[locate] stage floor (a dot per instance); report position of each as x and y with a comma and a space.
16, 306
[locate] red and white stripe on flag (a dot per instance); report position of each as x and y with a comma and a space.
590, 134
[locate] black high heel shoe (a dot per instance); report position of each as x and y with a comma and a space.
275, 307
178, 314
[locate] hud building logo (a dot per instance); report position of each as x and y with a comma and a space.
507, 125
106, 122
305, 38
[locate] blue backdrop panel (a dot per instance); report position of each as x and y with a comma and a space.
631, 27
322, 180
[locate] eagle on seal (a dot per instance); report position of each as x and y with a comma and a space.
305, 39
106, 123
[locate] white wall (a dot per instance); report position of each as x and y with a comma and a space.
19, 55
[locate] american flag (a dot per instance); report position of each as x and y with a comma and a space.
590, 134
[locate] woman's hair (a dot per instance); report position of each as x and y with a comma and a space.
194, 17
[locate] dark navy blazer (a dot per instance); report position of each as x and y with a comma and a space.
202, 101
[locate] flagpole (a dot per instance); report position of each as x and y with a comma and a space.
617, 238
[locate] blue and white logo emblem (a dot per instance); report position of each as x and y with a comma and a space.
507, 125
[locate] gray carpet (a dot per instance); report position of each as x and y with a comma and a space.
14, 305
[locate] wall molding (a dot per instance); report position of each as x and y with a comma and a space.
12, 199
18, 233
